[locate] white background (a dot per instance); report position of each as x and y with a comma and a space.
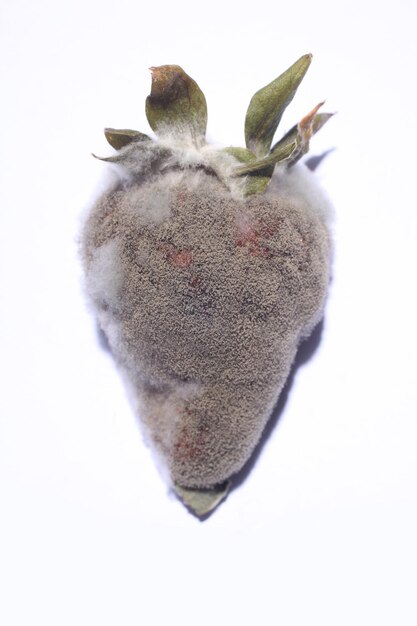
323, 530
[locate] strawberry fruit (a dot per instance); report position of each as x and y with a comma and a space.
206, 267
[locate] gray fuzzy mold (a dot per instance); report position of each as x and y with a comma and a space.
204, 298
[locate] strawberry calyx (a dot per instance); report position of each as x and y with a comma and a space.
176, 110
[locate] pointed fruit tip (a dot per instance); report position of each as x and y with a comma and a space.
202, 501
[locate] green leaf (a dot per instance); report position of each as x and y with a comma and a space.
176, 105
241, 154
111, 159
281, 153
301, 134
288, 150
202, 501
119, 138
257, 181
268, 105
141, 157
320, 120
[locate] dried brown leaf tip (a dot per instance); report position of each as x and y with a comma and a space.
176, 105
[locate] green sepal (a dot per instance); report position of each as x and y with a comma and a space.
115, 158
291, 147
268, 105
241, 154
281, 153
139, 157
301, 134
119, 138
258, 181
320, 120
202, 501
176, 105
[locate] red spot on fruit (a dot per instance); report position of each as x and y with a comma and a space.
246, 234
190, 443
183, 196
251, 234
175, 256
195, 281
183, 258
186, 448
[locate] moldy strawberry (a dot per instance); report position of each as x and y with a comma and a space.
206, 267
